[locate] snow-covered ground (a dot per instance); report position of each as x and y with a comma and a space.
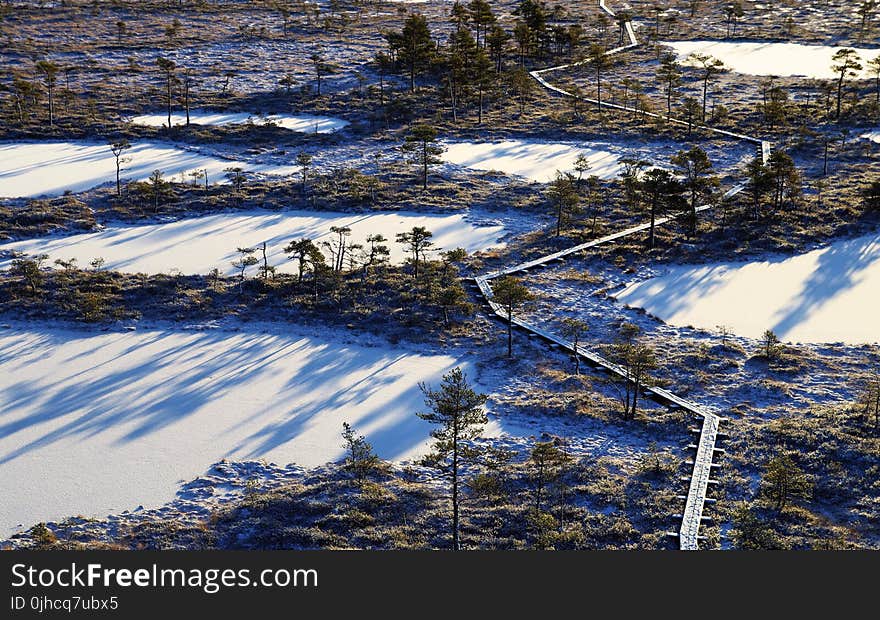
827, 295
537, 161
304, 123
197, 245
99, 423
31, 169
768, 58
873, 136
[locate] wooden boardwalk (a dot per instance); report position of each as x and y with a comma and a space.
703, 465
703, 461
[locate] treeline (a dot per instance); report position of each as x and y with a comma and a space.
482, 57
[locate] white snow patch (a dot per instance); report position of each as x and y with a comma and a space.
537, 161
94, 424
197, 245
827, 295
767, 58
51, 168
873, 136
304, 123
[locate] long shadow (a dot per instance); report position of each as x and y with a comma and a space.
145, 394
204, 236
80, 166
838, 270
669, 294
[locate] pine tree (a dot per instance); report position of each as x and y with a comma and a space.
564, 197
732, 12
662, 192
422, 141
457, 410
496, 41
784, 481
484, 78
698, 178
770, 344
167, 67
418, 242
637, 360
547, 463
462, 56
49, 70
360, 458
759, 183
304, 161
482, 17
304, 252
510, 293
118, 147
711, 66
415, 47
522, 84
246, 259
784, 176
691, 109
669, 74
846, 64
601, 62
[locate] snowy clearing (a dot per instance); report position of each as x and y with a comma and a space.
537, 161
34, 169
766, 58
304, 123
827, 295
93, 424
197, 245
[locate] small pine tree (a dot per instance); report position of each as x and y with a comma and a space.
770, 345
422, 142
246, 259
42, 535
751, 532
510, 293
360, 458
574, 329
784, 481
547, 463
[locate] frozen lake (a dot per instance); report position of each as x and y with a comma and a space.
197, 245
767, 58
304, 123
32, 169
536, 161
97, 423
827, 295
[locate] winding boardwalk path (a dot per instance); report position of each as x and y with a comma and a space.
703, 464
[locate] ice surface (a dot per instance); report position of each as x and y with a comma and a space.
768, 58
827, 295
34, 169
304, 123
97, 423
197, 245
